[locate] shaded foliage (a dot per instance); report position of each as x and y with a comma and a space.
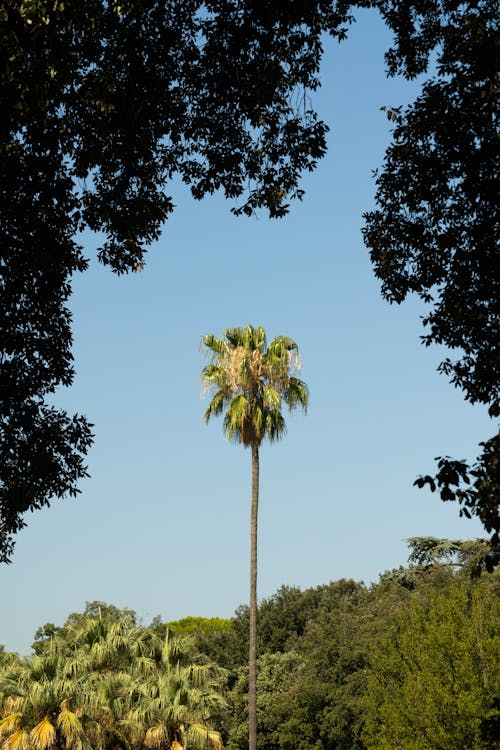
317, 691
277, 677
477, 489
102, 104
434, 231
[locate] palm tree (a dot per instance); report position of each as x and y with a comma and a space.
43, 707
251, 382
146, 692
110, 686
172, 707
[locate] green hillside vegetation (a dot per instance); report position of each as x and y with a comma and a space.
410, 662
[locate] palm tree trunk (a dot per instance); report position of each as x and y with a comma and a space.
252, 661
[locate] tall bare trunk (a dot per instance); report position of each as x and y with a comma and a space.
252, 661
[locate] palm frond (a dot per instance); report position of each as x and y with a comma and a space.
297, 394
237, 337
145, 665
71, 729
175, 649
280, 346
10, 682
156, 737
257, 338
10, 723
216, 345
271, 397
199, 675
19, 740
257, 421
216, 405
198, 736
43, 735
235, 417
275, 425
213, 374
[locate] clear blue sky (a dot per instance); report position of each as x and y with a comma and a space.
162, 524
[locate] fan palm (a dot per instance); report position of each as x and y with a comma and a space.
251, 381
43, 707
115, 656
109, 686
104, 646
145, 692
173, 706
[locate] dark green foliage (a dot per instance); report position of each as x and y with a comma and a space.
434, 232
315, 690
426, 551
101, 104
342, 666
331, 685
490, 726
284, 616
277, 677
309, 688
477, 489
282, 619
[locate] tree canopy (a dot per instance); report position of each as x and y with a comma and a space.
435, 229
252, 381
103, 103
409, 661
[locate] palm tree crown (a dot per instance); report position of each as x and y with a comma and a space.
252, 382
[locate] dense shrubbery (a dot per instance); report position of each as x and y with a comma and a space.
102, 681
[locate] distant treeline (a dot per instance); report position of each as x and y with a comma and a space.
410, 662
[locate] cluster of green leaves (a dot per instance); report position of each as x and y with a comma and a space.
477, 489
435, 230
104, 682
433, 683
